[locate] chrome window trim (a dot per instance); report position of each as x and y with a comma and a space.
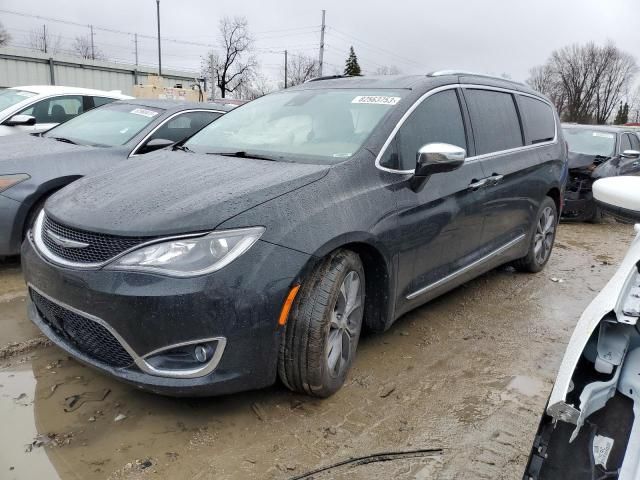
221, 343
465, 86
173, 115
47, 254
468, 268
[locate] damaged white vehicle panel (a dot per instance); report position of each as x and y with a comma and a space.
591, 429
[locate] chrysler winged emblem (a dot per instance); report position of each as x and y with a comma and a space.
65, 242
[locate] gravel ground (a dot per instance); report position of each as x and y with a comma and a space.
466, 375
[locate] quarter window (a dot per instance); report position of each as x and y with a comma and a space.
438, 119
635, 143
495, 121
538, 119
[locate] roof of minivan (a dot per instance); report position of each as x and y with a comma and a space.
415, 82
58, 89
177, 104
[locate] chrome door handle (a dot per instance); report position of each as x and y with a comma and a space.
477, 184
495, 179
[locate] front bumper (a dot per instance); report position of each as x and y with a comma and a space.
146, 312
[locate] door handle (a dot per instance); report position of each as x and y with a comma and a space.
477, 184
495, 179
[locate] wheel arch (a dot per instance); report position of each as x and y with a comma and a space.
556, 196
378, 270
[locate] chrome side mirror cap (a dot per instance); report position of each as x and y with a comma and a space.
439, 158
619, 196
631, 154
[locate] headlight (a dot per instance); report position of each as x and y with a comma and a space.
8, 181
188, 257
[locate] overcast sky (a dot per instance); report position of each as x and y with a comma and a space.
417, 36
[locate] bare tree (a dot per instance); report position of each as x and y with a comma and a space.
82, 47
5, 38
614, 82
234, 66
390, 70
634, 106
585, 82
300, 68
41, 39
544, 79
255, 87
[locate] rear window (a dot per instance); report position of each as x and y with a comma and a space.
494, 119
539, 121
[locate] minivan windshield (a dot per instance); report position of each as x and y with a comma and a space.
107, 126
309, 126
590, 141
12, 96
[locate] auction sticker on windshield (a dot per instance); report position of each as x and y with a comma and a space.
144, 112
376, 99
603, 135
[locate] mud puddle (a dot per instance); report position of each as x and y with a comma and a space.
468, 373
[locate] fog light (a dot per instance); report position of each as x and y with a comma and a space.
202, 353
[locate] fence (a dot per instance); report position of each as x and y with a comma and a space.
26, 67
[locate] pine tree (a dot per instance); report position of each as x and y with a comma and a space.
618, 119
352, 67
625, 114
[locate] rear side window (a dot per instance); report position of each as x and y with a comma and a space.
437, 119
494, 119
539, 121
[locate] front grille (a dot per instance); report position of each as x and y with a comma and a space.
86, 335
101, 247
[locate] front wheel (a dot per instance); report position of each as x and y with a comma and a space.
542, 239
322, 333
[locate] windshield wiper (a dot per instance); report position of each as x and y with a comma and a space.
183, 148
243, 154
65, 140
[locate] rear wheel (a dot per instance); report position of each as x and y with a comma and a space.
322, 333
542, 239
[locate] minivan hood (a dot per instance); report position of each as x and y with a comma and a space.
172, 192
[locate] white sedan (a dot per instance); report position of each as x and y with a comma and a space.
591, 426
38, 108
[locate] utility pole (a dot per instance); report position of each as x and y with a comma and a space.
93, 52
135, 41
159, 50
213, 78
285, 69
321, 44
44, 37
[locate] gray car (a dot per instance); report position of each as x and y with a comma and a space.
32, 167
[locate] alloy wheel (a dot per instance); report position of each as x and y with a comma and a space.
543, 241
344, 328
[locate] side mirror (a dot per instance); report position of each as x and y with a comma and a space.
21, 120
619, 196
439, 158
631, 154
156, 144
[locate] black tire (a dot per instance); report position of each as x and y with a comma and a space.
315, 326
597, 215
533, 261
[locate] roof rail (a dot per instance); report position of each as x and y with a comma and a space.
328, 77
441, 73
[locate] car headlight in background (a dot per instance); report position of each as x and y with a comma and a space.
189, 257
8, 181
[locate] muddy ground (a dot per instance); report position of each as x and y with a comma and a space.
467, 374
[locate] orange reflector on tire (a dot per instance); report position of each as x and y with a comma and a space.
284, 313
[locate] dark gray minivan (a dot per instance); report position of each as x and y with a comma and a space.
263, 244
